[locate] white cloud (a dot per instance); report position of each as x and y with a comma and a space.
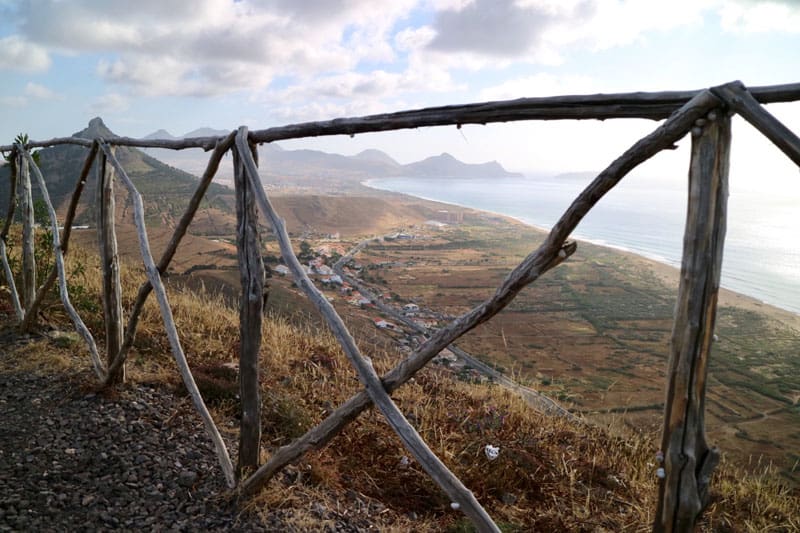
13, 101
760, 17
542, 84
110, 103
499, 28
18, 54
208, 47
34, 90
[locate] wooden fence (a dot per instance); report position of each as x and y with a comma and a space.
686, 459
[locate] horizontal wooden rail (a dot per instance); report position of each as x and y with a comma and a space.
684, 111
648, 105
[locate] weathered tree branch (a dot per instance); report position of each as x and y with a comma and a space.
180, 231
169, 322
62, 274
251, 309
12, 205
51, 142
12, 197
70, 217
688, 460
548, 255
28, 230
109, 264
650, 105
739, 99
451, 485
12, 286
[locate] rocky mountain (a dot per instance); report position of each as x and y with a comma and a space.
166, 189
307, 163
447, 166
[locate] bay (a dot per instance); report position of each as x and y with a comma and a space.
647, 216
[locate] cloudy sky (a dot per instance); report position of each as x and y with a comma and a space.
180, 65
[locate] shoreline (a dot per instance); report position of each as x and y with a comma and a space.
665, 270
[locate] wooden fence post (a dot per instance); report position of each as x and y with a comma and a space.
251, 273
688, 461
12, 206
154, 276
107, 240
28, 230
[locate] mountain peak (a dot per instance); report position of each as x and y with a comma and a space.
161, 134
376, 156
96, 128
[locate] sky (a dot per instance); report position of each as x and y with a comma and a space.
180, 65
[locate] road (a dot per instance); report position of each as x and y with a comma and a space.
534, 398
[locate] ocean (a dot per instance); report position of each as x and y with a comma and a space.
647, 217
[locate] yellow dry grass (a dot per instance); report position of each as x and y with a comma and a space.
551, 474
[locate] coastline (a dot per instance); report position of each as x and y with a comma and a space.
667, 271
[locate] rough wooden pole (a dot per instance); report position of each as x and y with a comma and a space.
12, 206
251, 308
413, 442
180, 231
109, 264
169, 322
62, 275
552, 252
688, 461
44, 288
739, 99
28, 230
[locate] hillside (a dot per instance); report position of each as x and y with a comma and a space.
551, 475
326, 170
166, 189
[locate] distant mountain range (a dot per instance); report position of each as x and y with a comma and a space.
372, 163
166, 189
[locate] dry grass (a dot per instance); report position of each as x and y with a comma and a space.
551, 474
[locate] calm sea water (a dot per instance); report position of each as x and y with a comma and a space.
762, 247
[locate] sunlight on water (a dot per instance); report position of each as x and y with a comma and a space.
647, 216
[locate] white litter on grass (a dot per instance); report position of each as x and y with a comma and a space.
492, 452
661, 473
455, 506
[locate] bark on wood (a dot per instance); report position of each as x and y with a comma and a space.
451, 485
12, 206
601, 106
206, 143
251, 308
12, 286
109, 264
28, 230
52, 142
169, 322
548, 255
688, 460
180, 231
654, 105
62, 275
12, 197
739, 99
70, 217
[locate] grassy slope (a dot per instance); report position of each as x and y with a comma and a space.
551, 475
595, 334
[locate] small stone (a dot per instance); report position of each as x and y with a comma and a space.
508, 498
86, 500
187, 478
